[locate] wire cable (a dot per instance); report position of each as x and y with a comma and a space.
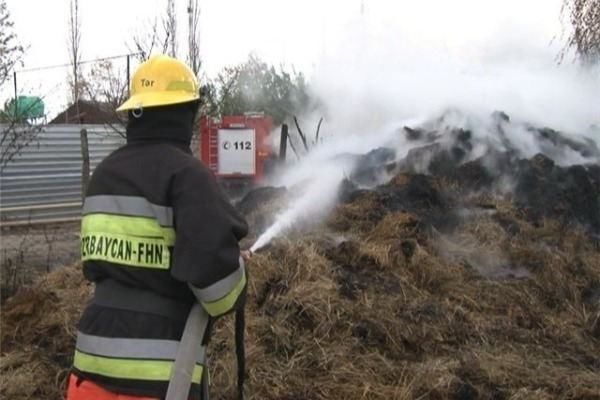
79, 63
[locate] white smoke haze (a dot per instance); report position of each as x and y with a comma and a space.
488, 262
318, 198
382, 88
381, 71
404, 61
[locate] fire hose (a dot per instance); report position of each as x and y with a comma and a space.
240, 350
240, 329
187, 353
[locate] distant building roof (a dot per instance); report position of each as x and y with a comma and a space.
90, 112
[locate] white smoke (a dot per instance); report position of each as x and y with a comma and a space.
382, 70
404, 60
361, 96
320, 174
319, 196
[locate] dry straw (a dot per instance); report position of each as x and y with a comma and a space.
375, 304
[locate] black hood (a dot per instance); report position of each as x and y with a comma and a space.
172, 123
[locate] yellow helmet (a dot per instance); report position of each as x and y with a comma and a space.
159, 81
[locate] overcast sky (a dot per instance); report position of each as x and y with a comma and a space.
292, 31
303, 33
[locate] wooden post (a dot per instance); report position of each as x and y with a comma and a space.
128, 73
85, 167
283, 143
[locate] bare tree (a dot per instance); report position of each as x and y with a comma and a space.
74, 41
105, 86
14, 139
584, 20
152, 39
160, 35
11, 52
171, 28
194, 36
15, 133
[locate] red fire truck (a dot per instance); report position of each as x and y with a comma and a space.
236, 149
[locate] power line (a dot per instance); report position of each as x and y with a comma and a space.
79, 63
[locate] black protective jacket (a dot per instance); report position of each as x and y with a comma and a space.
157, 235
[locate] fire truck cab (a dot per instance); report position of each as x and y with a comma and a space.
236, 149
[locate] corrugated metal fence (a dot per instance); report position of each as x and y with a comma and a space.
42, 182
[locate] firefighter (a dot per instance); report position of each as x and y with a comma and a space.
157, 236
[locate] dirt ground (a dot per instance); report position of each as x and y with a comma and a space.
27, 251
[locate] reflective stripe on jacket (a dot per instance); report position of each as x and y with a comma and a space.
134, 359
156, 236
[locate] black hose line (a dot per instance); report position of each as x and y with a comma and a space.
240, 325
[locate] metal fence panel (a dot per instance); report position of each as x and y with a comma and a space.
42, 182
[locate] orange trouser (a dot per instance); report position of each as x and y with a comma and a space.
88, 390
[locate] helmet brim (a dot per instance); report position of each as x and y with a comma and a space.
157, 99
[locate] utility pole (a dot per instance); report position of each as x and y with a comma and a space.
16, 102
128, 73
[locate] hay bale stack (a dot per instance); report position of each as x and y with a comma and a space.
402, 294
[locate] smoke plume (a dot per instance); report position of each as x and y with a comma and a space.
496, 93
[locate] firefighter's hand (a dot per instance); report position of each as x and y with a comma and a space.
246, 254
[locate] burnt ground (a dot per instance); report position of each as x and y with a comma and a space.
465, 278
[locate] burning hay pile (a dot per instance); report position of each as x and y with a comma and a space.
437, 284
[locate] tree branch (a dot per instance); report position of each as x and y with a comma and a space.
318, 129
300, 133
291, 142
